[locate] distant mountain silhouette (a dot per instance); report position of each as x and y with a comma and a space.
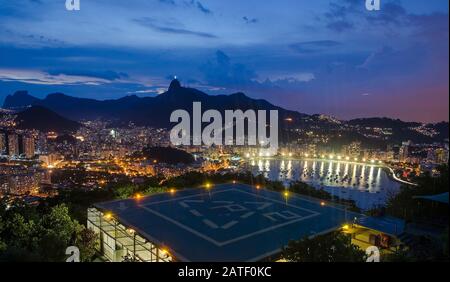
156, 111
19, 100
148, 111
382, 123
44, 120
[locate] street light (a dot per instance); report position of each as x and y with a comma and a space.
108, 216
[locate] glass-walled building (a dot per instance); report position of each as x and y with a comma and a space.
118, 243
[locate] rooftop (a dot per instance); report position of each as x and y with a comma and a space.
230, 222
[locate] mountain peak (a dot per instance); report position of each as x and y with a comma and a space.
19, 100
174, 85
45, 120
56, 94
21, 93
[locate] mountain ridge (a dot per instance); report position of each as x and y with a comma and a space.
153, 111
156, 111
45, 120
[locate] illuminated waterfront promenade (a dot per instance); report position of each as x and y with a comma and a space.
368, 183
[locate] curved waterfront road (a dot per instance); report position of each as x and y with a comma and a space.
398, 179
380, 165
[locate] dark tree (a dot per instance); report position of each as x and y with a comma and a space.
331, 247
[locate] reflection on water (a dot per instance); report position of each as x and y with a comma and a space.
368, 185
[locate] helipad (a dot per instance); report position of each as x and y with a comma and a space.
230, 222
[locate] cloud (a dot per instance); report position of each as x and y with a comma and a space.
157, 26
222, 72
340, 26
171, 2
44, 78
337, 18
248, 20
191, 4
378, 57
202, 8
156, 90
314, 46
290, 79
390, 13
107, 75
344, 15
28, 39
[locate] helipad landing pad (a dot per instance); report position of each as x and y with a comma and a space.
227, 222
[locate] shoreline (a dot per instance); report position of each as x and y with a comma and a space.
389, 171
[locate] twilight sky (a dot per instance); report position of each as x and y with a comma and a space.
321, 56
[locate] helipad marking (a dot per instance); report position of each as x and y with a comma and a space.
286, 215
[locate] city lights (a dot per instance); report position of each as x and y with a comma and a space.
108, 216
165, 252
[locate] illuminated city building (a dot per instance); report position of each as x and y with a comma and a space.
2, 143
28, 146
13, 144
